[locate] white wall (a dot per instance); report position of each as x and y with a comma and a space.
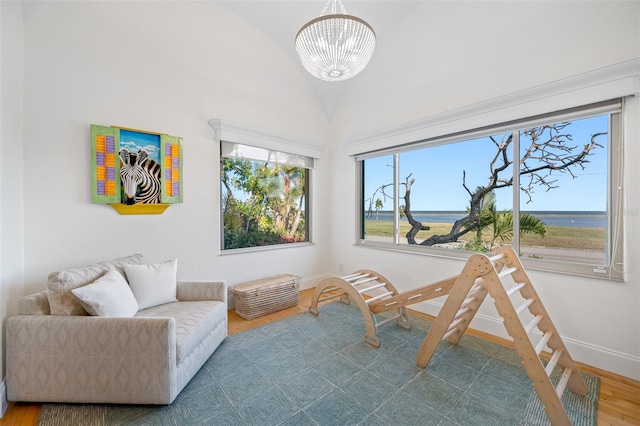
465, 53
11, 201
451, 54
158, 66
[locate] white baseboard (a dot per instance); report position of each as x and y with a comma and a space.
605, 359
4, 403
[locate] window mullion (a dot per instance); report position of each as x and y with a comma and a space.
396, 198
515, 241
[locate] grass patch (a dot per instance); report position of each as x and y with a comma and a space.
568, 237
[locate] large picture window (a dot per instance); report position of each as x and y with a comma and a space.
264, 197
546, 186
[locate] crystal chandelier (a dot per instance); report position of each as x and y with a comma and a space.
335, 46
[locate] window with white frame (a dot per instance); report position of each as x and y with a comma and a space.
264, 197
546, 186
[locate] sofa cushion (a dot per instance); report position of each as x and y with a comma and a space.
34, 304
153, 284
108, 296
60, 284
194, 321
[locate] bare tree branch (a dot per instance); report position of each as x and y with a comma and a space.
549, 151
379, 190
416, 226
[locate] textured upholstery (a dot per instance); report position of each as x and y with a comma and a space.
147, 359
34, 304
194, 320
60, 284
90, 359
200, 290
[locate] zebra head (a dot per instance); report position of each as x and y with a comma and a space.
140, 177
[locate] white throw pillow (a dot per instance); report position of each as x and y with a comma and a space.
61, 283
108, 296
154, 284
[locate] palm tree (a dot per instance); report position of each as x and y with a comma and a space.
486, 212
379, 206
503, 226
502, 222
484, 218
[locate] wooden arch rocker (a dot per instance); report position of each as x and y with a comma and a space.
374, 294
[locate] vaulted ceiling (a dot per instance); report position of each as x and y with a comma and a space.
281, 20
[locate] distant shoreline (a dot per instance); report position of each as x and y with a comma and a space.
574, 219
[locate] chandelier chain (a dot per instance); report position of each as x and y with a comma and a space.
334, 8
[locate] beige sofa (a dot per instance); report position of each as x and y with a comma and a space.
145, 359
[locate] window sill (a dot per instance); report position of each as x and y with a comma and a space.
265, 248
544, 265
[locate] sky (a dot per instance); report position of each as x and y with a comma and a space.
134, 141
438, 173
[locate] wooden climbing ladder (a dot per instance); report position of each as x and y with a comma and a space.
484, 275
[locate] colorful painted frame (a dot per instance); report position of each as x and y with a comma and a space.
106, 164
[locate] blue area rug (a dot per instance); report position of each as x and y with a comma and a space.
307, 370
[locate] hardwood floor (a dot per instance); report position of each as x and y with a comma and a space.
618, 404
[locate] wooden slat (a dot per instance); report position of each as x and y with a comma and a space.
515, 288
467, 302
324, 299
450, 333
352, 276
524, 306
562, 384
507, 271
534, 322
430, 291
456, 323
475, 290
553, 361
373, 287
543, 342
355, 277
378, 297
384, 321
363, 281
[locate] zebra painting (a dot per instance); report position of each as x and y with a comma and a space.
140, 176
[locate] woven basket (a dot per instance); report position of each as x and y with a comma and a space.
266, 295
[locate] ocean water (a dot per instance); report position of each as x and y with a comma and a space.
578, 219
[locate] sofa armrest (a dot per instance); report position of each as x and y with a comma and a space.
191, 291
91, 359
34, 304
